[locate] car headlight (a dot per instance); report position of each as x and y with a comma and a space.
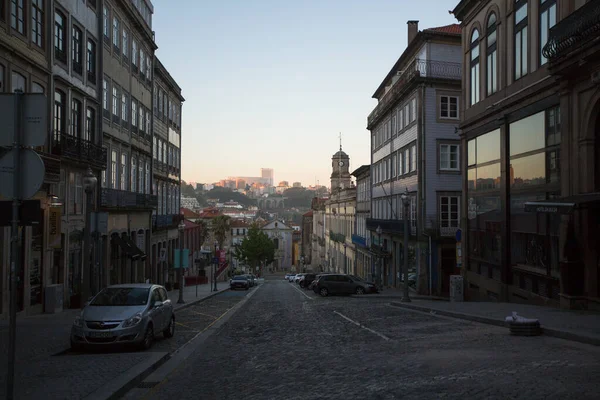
78, 321
133, 321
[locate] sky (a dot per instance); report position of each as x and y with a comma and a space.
272, 83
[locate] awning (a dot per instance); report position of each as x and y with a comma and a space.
130, 248
565, 205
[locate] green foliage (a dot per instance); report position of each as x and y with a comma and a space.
298, 197
226, 194
256, 248
220, 226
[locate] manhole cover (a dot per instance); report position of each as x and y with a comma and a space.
147, 385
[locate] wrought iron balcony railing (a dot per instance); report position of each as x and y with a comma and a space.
337, 237
393, 226
78, 150
574, 30
441, 227
417, 68
114, 198
162, 222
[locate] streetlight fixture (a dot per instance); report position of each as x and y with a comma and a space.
345, 259
89, 184
406, 203
181, 228
215, 266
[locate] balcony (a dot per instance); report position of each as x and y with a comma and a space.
52, 167
337, 237
165, 222
78, 150
416, 69
572, 32
114, 198
359, 240
441, 228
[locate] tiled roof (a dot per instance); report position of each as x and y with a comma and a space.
190, 224
238, 223
308, 214
453, 29
187, 213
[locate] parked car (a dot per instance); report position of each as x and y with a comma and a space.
292, 277
250, 280
314, 282
254, 279
239, 282
342, 284
306, 280
124, 314
287, 276
298, 277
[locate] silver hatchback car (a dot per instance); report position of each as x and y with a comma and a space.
124, 314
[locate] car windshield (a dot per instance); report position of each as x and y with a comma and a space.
123, 296
240, 278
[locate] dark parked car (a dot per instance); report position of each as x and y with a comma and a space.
342, 284
239, 282
307, 280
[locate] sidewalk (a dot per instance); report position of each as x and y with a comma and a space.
580, 326
398, 293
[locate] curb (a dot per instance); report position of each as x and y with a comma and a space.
561, 334
412, 296
196, 301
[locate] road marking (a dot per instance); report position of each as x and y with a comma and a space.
206, 315
362, 326
300, 291
179, 323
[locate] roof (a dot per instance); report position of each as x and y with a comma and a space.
340, 154
448, 30
238, 223
189, 224
361, 170
308, 214
452, 29
210, 212
187, 213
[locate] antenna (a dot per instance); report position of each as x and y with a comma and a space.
340, 141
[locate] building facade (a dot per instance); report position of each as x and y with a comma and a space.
415, 153
281, 234
339, 217
318, 256
361, 239
529, 134
166, 171
306, 242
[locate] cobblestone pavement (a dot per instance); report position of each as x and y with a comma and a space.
290, 344
71, 375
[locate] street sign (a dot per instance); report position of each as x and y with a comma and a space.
32, 172
458, 235
35, 119
458, 254
186, 256
215, 260
163, 254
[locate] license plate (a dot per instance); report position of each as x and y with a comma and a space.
101, 334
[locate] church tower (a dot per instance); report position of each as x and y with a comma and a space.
340, 171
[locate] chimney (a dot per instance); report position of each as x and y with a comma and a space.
413, 29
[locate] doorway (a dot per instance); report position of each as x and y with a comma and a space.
448, 268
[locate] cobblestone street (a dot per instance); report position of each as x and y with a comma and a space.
70, 375
288, 343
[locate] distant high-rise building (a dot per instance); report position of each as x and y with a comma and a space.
269, 174
297, 184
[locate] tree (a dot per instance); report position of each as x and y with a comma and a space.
220, 226
226, 194
257, 249
203, 231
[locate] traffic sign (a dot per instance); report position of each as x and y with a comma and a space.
35, 119
32, 172
458, 235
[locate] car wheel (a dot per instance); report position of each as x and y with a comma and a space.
170, 331
360, 290
148, 338
324, 292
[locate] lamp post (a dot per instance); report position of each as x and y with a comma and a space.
181, 228
406, 203
345, 259
378, 231
89, 184
215, 266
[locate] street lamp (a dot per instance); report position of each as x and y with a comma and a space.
181, 228
215, 266
89, 184
406, 203
345, 259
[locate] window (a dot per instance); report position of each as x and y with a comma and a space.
105, 94
35, 88
413, 158
124, 107
142, 119
154, 149
413, 110
91, 61
103, 174
116, 34
547, 21
406, 161
18, 82
115, 101
105, 19
17, 16
449, 214
78, 193
60, 50
492, 56
148, 67
113, 170
59, 112
37, 22
140, 186
124, 175
76, 118
134, 55
142, 62
474, 67
521, 47
449, 107
148, 116
147, 177
449, 157
125, 43
77, 50
155, 99
134, 115
133, 173
90, 124
400, 119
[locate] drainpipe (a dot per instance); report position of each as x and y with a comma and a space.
422, 175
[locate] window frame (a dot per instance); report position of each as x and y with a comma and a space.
77, 49
106, 28
520, 28
449, 220
37, 23
90, 124
448, 145
474, 68
544, 7
491, 68
18, 13
449, 109
60, 113
116, 35
60, 36
76, 117
91, 53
